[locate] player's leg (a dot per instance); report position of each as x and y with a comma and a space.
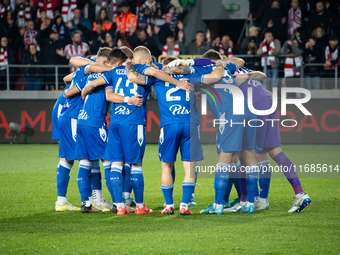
133, 144
188, 185
84, 172
169, 142
96, 181
67, 137
127, 187
167, 185
302, 198
261, 202
107, 170
191, 152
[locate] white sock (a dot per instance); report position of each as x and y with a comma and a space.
263, 200
97, 195
91, 200
249, 204
256, 198
242, 203
87, 203
168, 206
140, 205
183, 205
61, 200
217, 205
299, 195
122, 205
126, 195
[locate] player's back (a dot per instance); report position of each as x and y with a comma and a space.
126, 113
177, 105
259, 91
73, 104
95, 107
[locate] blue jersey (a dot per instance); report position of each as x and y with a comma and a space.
177, 105
95, 107
224, 94
159, 65
126, 113
73, 104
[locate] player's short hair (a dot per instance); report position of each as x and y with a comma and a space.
168, 60
116, 55
212, 54
142, 52
127, 51
104, 52
199, 32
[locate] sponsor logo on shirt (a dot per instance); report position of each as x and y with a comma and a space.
122, 110
82, 115
177, 109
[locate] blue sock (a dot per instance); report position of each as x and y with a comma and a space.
265, 175
84, 184
116, 180
251, 180
188, 189
229, 185
173, 173
168, 194
107, 168
221, 181
137, 182
237, 179
257, 193
127, 187
96, 176
63, 177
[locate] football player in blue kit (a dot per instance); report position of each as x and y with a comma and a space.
127, 127
179, 130
237, 137
70, 111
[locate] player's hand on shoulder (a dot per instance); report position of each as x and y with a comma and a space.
136, 100
221, 63
183, 84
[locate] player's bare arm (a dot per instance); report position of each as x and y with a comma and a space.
116, 98
238, 61
254, 75
182, 84
215, 75
68, 78
138, 78
183, 70
79, 61
91, 86
71, 92
133, 75
97, 68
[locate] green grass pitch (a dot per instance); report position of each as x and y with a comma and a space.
29, 224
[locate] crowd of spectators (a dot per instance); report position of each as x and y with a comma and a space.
50, 32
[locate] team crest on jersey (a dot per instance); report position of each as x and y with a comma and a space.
102, 133
254, 83
177, 109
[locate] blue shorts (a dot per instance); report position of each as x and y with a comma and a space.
91, 142
234, 133
67, 137
180, 135
55, 127
126, 143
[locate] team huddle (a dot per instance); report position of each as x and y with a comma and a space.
124, 79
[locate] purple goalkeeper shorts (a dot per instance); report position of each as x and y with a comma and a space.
268, 135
